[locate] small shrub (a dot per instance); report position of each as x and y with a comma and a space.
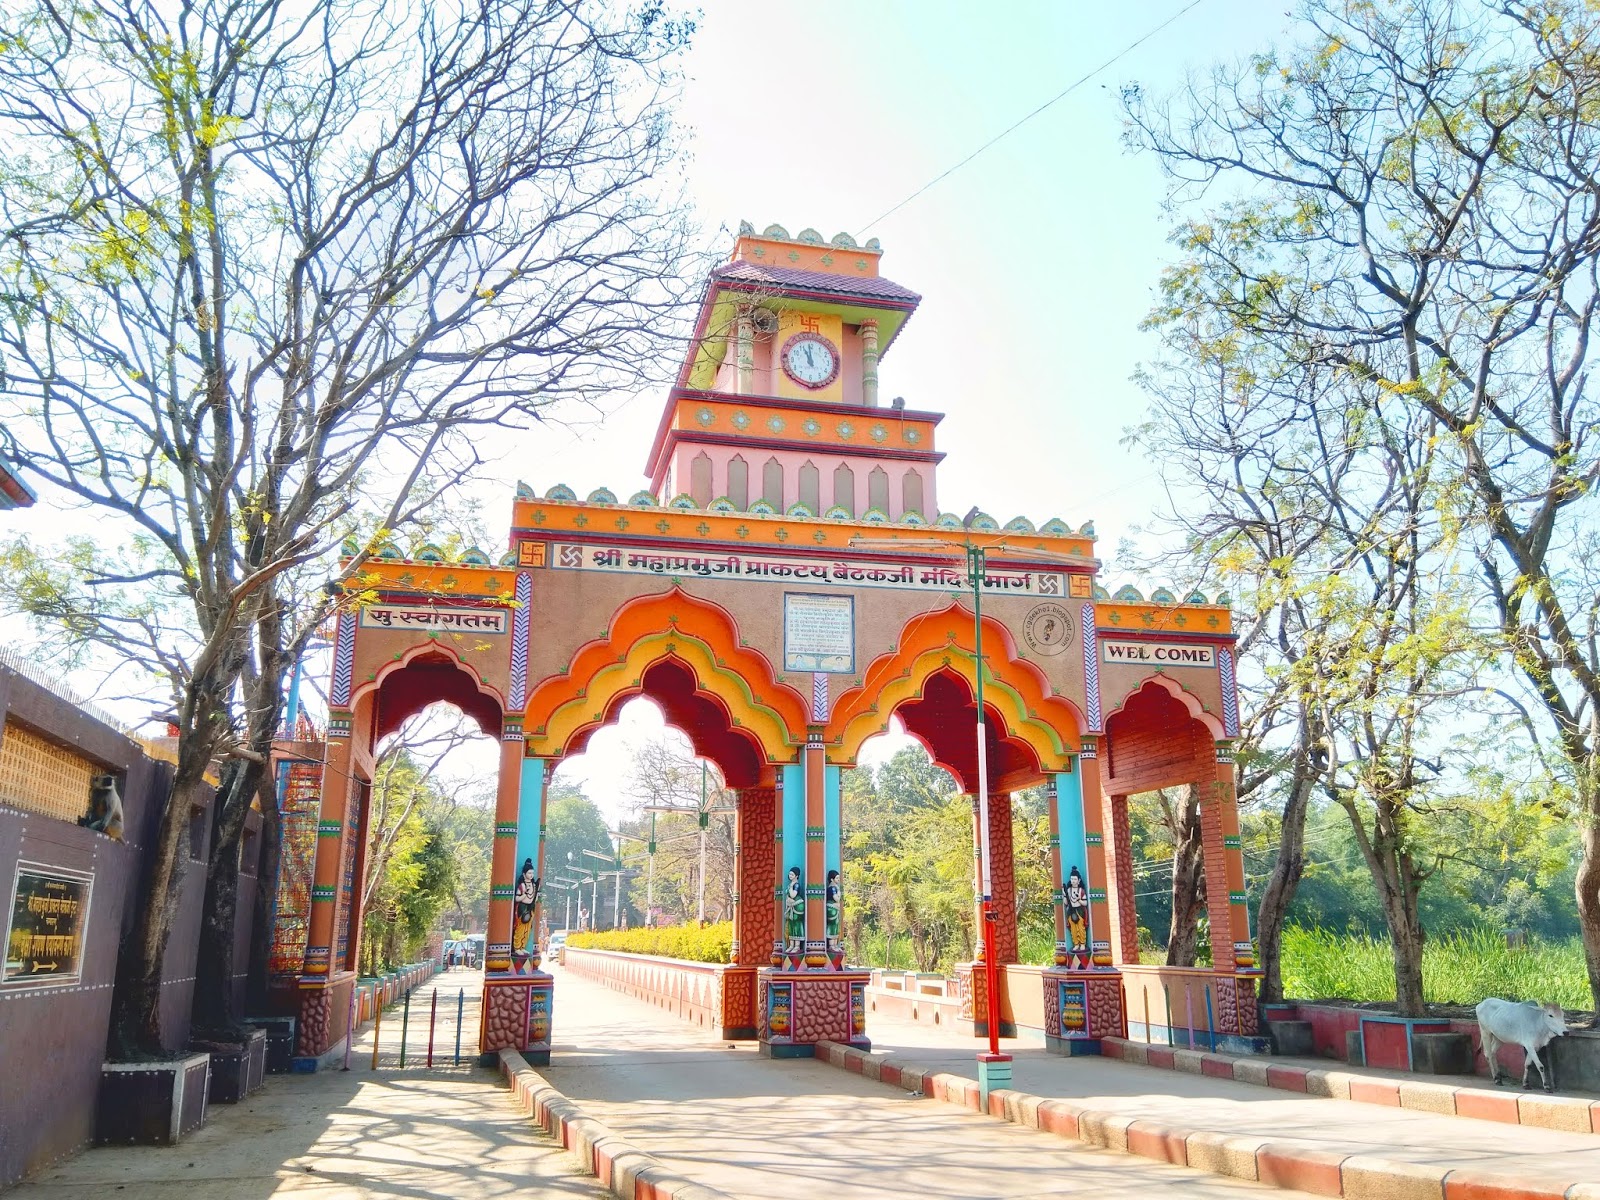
711, 944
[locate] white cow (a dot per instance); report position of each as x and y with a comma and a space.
1528, 1024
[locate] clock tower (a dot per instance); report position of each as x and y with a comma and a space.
776, 410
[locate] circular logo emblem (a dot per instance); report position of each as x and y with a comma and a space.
1047, 629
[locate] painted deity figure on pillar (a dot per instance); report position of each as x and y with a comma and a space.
1075, 896
833, 910
524, 903
794, 917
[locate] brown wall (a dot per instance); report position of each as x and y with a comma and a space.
55, 1037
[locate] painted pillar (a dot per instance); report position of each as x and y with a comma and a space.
1003, 877
833, 860
744, 355
1070, 853
869, 364
791, 890
1093, 812
816, 854
337, 780
1124, 909
1224, 863
528, 865
756, 878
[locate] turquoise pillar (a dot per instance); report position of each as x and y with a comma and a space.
792, 861
833, 857
1074, 866
530, 867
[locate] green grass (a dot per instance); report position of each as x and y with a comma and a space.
1459, 968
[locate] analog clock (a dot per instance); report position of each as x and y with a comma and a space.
811, 360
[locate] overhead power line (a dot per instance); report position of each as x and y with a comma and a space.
1020, 122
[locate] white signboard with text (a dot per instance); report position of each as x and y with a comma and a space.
1158, 654
451, 620
839, 572
819, 633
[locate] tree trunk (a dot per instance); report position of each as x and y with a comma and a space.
1188, 883
1272, 913
1587, 889
1406, 936
136, 1025
214, 968
266, 906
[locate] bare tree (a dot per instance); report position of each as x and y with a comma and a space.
272, 275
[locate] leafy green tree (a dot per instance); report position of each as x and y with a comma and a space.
268, 276
1401, 213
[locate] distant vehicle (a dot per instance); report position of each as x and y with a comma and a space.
557, 940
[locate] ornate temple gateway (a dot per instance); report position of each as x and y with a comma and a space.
785, 586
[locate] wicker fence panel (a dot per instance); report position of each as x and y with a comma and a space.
36, 775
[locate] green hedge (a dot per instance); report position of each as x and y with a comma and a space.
712, 944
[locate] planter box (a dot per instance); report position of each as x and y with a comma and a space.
237, 1069
151, 1104
280, 1042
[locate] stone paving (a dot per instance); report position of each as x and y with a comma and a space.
719, 1114
388, 1133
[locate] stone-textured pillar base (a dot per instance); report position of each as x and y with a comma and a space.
798, 1009
516, 1016
738, 987
324, 1017
972, 987
1080, 1008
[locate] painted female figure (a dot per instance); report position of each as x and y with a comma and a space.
794, 907
523, 902
832, 902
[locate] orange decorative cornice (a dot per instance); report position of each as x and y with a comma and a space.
1051, 725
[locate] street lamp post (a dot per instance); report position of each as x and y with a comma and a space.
702, 813
994, 1068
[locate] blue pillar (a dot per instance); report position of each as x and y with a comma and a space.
529, 865
1074, 866
792, 859
832, 851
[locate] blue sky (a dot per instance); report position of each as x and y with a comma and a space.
1036, 261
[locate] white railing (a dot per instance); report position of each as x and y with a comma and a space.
53, 683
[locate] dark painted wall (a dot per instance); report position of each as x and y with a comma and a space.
53, 1039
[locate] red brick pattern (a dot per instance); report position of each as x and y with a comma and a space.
1124, 910
758, 876
1002, 878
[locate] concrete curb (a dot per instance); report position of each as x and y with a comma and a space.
627, 1171
1284, 1164
1569, 1114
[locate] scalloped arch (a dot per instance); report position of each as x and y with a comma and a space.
427, 649
1172, 686
643, 631
943, 640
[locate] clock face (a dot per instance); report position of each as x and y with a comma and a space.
811, 360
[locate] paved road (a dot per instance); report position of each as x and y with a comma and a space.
450, 1132
1200, 1102
722, 1115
